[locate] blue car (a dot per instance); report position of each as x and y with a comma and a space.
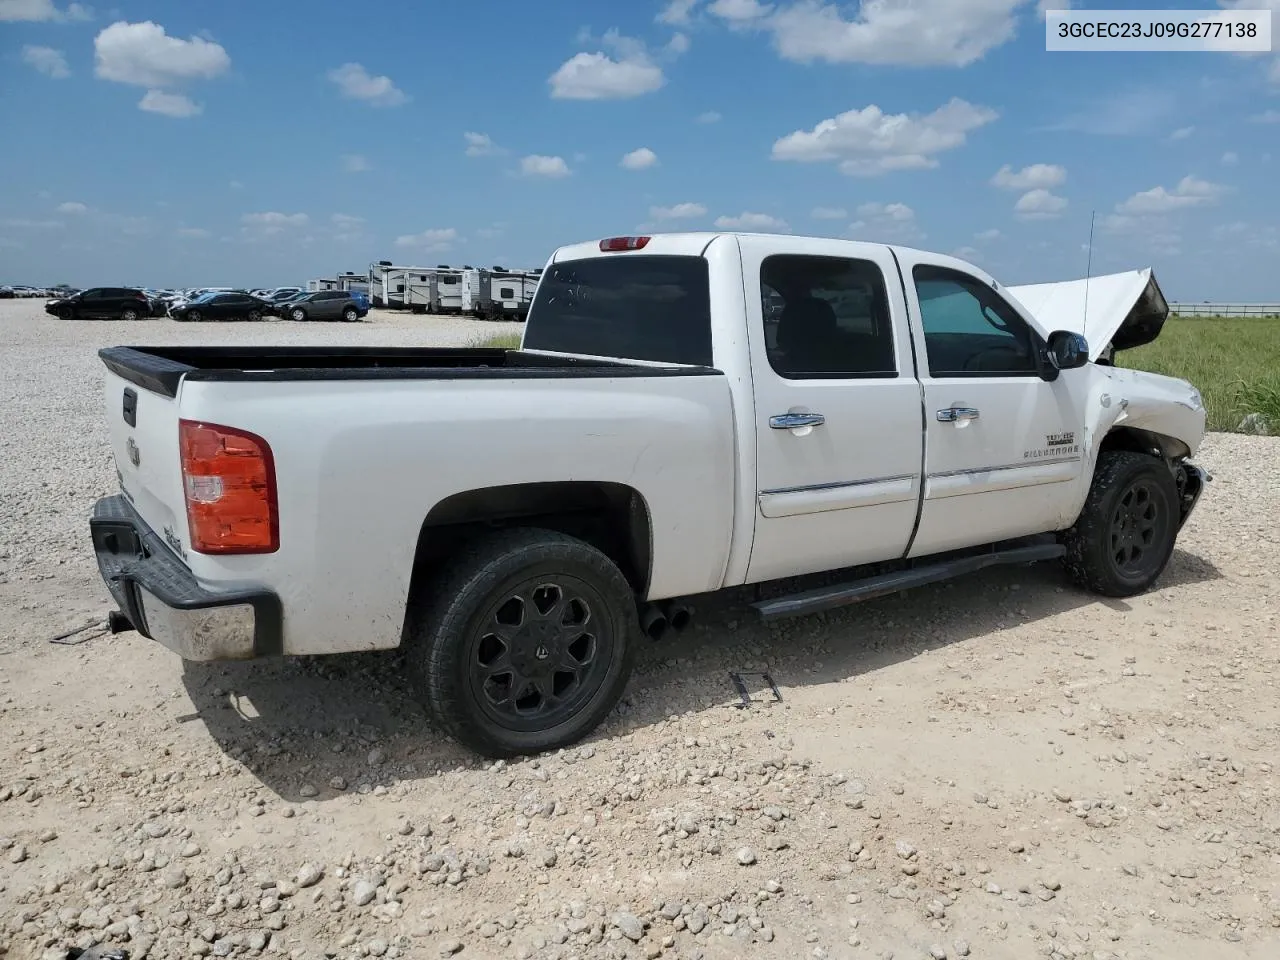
362, 300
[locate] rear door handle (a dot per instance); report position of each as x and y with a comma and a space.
790, 421
953, 414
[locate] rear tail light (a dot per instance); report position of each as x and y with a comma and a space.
229, 479
623, 243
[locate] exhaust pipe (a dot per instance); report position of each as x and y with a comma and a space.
678, 616
653, 622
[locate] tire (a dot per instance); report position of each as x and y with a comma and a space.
298, 315
66, 313
129, 314
502, 583
1123, 539
253, 316
350, 315
194, 316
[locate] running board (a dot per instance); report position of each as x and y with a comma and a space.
840, 594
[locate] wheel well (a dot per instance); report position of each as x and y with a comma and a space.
612, 517
1144, 441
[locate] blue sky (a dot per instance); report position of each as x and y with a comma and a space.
198, 142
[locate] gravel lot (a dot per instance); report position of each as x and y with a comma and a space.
997, 767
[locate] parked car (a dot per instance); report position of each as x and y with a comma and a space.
362, 301
102, 303
904, 419
6, 293
323, 305
281, 294
221, 306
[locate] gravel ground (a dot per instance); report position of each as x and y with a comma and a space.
997, 767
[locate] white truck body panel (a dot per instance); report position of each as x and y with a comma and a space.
731, 498
346, 550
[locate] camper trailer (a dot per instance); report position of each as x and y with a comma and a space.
498, 293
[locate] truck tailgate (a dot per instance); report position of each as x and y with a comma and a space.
143, 426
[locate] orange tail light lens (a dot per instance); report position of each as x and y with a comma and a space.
229, 478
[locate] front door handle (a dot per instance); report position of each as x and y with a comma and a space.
790, 421
954, 414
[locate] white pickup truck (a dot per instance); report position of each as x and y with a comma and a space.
687, 413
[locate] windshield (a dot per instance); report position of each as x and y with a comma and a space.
204, 297
631, 307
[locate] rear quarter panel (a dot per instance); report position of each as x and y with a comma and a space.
360, 464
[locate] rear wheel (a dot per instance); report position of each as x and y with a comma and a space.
525, 644
254, 315
1124, 537
130, 314
350, 315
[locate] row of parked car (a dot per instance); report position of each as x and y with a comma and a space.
289, 303
19, 291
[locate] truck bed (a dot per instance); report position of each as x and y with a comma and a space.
160, 369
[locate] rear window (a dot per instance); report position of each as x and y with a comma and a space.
635, 308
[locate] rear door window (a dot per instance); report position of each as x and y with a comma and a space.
654, 308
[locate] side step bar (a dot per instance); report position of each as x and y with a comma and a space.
840, 594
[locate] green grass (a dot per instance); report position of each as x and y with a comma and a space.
1234, 362
498, 341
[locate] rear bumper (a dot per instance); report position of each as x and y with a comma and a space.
164, 602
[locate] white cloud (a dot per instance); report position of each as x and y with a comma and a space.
72, 207
676, 12
354, 82
429, 240
923, 33
679, 211
536, 165
759, 222
346, 220
987, 235
480, 144
24, 224
193, 233
271, 222
1044, 6
1039, 204
678, 44
1182, 133
1190, 192
971, 254
1038, 175
46, 60
39, 11
1266, 116
598, 76
355, 163
869, 142
169, 104
739, 11
639, 159
236, 185
829, 213
144, 55
710, 116
886, 221
1230, 158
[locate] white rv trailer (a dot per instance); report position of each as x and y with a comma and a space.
498, 293
389, 284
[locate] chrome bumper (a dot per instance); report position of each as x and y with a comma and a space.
161, 599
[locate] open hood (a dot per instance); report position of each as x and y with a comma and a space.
1124, 309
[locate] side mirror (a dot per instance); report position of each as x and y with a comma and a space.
1068, 350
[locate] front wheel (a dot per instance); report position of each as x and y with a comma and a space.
254, 316
298, 315
194, 316
525, 644
1124, 536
